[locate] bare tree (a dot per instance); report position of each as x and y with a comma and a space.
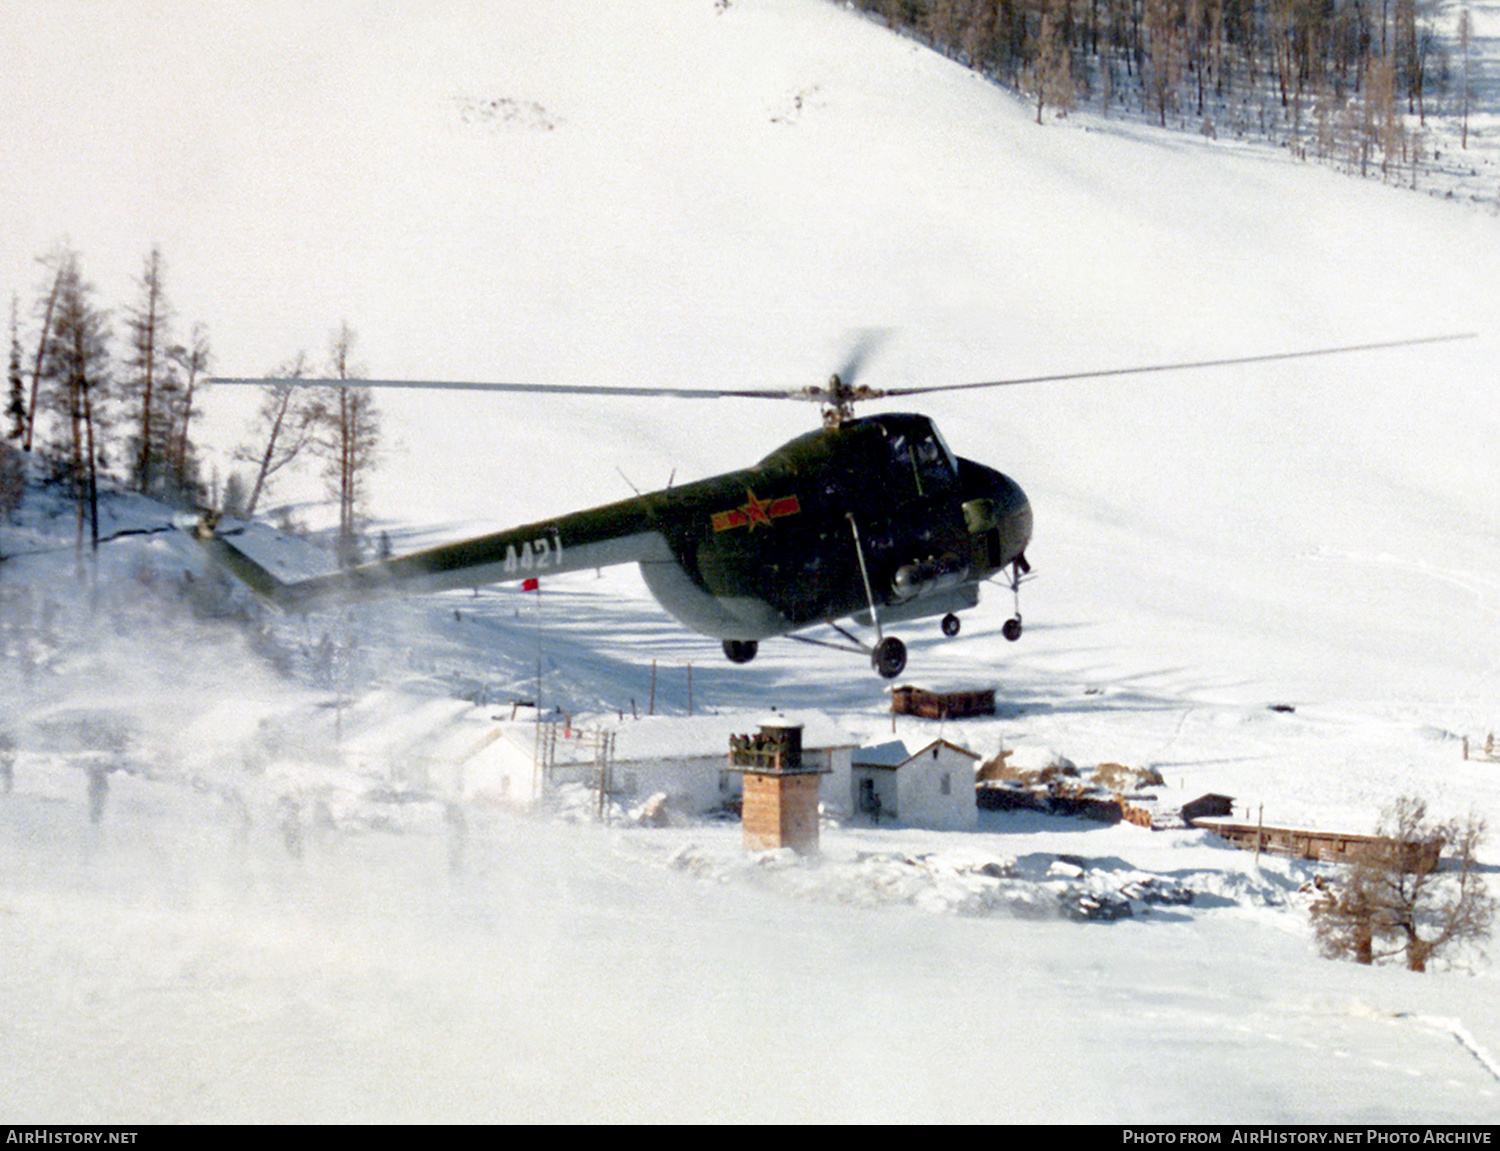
347, 436
285, 423
1466, 90
192, 363
57, 262
1395, 900
1049, 76
1165, 35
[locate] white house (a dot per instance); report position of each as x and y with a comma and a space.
684, 757
499, 767
932, 788
485, 754
449, 746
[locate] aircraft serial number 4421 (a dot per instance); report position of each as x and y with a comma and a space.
868, 518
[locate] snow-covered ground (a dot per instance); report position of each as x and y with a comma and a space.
688, 193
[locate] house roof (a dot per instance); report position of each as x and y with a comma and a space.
895, 755
892, 754
692, 737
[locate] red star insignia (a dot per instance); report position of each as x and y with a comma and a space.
756, 511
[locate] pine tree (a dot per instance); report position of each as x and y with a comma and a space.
148, 375
76, 366
12, 479
15, 408
232, 502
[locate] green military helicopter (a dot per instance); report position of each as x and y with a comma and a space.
869, 517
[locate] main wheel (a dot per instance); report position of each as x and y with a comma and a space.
1012, 629
889, 657
740, 650
951, 624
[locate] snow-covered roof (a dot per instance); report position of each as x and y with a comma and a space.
892, 754
691, 737
895, 754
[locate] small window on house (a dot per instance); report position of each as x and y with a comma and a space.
945, 785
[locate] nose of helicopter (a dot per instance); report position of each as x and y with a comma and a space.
1015, 519
997, 514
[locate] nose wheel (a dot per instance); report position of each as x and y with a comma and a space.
1018, 572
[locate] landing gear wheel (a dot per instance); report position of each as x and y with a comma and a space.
740, 650
1012, 629
951, 624
889, 657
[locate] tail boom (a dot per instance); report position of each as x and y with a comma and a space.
615, 534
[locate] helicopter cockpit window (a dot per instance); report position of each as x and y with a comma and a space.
949, 459
935, 467
926, 459
905, 469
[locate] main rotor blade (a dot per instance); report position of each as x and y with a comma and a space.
868, 342
1184, 366
552, 389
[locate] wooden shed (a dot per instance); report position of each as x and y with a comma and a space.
1206, 806
907, 700
1326, 846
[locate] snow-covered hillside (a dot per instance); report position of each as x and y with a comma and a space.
683, 192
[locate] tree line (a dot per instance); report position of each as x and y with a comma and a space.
87, 406
1339, 79
85, 411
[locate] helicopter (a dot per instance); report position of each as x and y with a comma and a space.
867, 518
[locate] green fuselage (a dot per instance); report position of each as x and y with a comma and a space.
753, 553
